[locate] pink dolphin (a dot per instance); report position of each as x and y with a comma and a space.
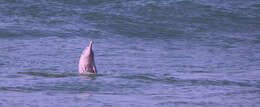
87, 62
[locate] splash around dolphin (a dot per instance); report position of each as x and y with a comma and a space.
87, 61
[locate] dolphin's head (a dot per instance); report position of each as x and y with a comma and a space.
87, 62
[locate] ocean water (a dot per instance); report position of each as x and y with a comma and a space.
149, 53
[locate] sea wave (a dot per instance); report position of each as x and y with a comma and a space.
129, 18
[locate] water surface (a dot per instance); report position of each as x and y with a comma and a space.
148, 53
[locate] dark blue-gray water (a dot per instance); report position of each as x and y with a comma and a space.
148, 53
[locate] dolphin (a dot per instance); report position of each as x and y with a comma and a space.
87, 61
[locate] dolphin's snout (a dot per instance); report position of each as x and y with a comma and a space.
90, 44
